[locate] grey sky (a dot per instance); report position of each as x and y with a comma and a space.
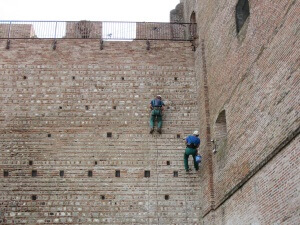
97, 10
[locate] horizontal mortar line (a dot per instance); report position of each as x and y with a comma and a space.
93, 187
103, 184
123, 183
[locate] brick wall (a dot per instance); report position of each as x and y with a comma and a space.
254, 77
164, 31
83, 29
60, 106
57, 108
17, 31
270, 197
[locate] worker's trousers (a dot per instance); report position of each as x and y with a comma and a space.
187, 153
156, 114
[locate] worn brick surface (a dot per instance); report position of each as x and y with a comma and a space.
56, 110
59, 106
270, 197
254, 77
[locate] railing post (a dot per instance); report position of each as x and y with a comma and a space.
54, 42
147, 42
8, 37
101, 44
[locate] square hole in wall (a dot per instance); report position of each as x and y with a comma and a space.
147, 173
175, 173
102, 197
175, 78
33, 197
61, 173
34, 173
95, 162
90, 173
178, 135
49, 135
109, 134
5, 173
114, 107
24, 77
87, 107
30, 163
60, 107
122, 78
167, 197
118, 173
168, 163
73, 77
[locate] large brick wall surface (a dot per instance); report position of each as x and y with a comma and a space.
240, 90
270, 197
254, 77
57, 108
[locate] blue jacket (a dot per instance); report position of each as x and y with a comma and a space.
192, 141
157, 103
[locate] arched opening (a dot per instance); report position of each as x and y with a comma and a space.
241, 14
221, 127
220, 132
193, 27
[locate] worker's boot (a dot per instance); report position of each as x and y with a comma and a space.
151, 130
159, 130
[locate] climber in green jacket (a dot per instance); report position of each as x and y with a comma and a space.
157, 108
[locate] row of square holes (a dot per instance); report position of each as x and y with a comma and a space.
34, 197
31, 163
109, 135
87, 107
90, 173
73, 78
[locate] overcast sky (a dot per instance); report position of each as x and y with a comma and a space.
97, 10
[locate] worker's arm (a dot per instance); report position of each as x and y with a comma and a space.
150, 105
185, 140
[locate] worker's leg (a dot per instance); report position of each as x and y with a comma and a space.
186, 161
152, 119
196, 165
187, 153
159, 121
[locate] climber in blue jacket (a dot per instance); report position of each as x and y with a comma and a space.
192, 143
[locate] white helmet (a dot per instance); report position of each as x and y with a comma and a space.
196, 133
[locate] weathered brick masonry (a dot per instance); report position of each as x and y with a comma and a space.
57, 109
240, 88
252, 82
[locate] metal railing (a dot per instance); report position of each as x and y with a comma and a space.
97, 30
